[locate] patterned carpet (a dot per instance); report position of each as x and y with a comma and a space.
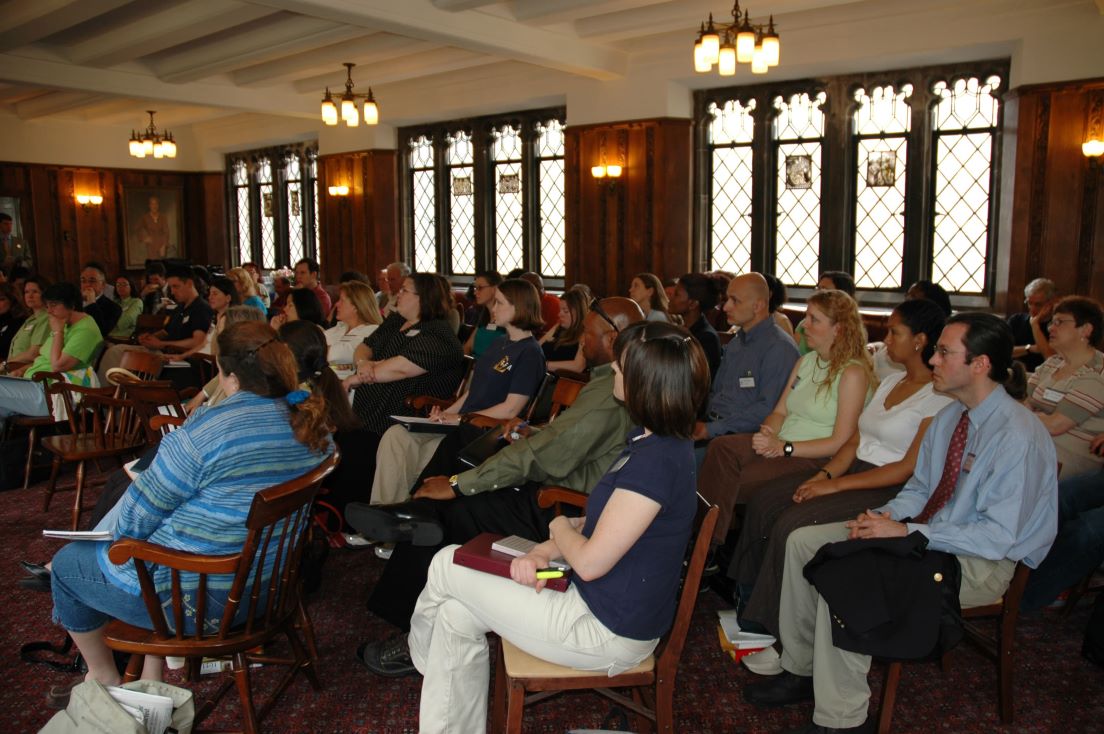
1057, 690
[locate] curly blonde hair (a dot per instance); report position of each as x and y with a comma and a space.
850, 342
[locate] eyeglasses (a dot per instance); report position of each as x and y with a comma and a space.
1059, 322
943, 352
596, 307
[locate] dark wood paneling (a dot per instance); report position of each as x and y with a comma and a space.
638, 223
1058, 205
66, 235
359, 231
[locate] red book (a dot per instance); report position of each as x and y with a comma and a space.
477, 554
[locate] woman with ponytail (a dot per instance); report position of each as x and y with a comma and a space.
196, 494
308, 343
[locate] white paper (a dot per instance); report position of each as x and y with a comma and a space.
740, 639
517, 546
79, 534
156, 711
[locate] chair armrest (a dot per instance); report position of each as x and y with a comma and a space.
582, 377
159, 421
550, 496
126, 549
425, 402
43, 376
482, 421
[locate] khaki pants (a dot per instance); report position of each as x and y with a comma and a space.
805, 626
400, 458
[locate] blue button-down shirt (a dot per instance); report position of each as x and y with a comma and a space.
1006, 501
766, 354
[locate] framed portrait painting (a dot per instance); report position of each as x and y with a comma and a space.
153, 224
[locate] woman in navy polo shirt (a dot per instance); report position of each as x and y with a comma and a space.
626, 560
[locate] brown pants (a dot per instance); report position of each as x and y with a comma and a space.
732, 472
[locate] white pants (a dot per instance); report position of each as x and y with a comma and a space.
805, 626
400, 458
448, 641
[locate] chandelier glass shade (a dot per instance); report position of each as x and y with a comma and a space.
152, 142
347, 104
740, 42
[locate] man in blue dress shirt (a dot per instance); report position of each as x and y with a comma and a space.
754, 367
1002, 508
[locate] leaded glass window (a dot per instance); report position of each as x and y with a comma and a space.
293, 183
965, 125
550, 158
268, 213
881, 123
424, 207
731, 134
509, 228
461, 166
799, 138
243, 213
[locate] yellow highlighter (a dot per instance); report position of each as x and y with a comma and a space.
550, 573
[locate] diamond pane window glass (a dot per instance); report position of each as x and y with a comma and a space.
293, 186
550, 155
424, 205
509, 228
268, 214
965, 122
731, 133
242, 211
881, 123
798, 136
312, 166
461, 156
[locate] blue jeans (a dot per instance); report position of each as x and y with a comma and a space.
1079, 547
21, 397
84, 599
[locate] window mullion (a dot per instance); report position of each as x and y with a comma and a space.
919, 188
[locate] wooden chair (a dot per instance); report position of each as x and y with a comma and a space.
151, 400
33, 423
103, 427
277, 522
653, 681
997, 646
557, 391
145, 365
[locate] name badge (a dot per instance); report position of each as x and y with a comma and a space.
491, 327
1053, 396
413, 332
747, 382
185, 319
968, 462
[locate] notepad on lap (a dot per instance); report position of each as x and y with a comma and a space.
479, 554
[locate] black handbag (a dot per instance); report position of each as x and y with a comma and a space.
892, 598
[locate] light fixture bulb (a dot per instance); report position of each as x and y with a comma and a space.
339, 190
96, 199
82, 199
772, 44
1093, 148
329, 110
147, 146
711, 43
135, 147
598, 171
371, 110
349, 111
726, 64
613, 171
701, 63
158, 150
168, 145
758, 61
745, 43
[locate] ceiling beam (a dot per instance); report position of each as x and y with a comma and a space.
558, 11
469, 30
26, 22
267, 41
145, 87
368, 49
456, 5
411, 66
53, 103
165, 27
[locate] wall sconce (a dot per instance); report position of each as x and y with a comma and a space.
609, 171
1093, 148
604, 171
339, 190
87, 200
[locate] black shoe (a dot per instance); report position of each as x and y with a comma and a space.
811, 728
405, 522
35, 569
389, 658
35, 583
780, 690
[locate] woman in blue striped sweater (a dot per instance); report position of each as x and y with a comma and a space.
196, 494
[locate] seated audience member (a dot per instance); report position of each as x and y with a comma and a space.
131, 307
282, 285
222, 295
1066, 392
211, 393
1031, 329
154, 289
354, 275
257, 273
97, 303
500, 495
756, 363
504, 380
246, 287
626, 553
696, 294
12, 317
647, 290
829, 280
563, 346
777, 300
486, 331
867, 471
921, 289
550, 304
357, 317
390, 282
990, 509
70, 348
187, 328
815, 416
302, 304
307, 278
1079, 548
28, 339
307, 343
264, 433
413, 352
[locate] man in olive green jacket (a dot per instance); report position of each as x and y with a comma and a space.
499, 496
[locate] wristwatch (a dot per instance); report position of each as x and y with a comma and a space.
787, 449
454, 482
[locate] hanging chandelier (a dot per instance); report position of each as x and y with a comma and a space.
151, 141
739, 42
349, 112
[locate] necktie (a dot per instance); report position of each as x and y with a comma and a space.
951, 467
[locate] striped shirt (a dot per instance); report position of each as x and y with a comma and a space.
1079, 397
196, 494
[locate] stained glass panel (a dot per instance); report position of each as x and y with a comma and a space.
798, 135
732, 133
550, 152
